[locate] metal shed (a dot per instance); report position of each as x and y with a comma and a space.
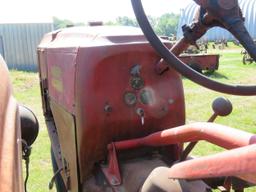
18, 43
249, 11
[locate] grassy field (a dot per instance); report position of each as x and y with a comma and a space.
27, 92
198, 108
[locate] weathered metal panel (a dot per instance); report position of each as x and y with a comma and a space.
20, 42
61, 79
65, 124
1, 46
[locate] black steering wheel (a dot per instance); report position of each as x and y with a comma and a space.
178, 65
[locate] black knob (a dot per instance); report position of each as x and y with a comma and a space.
222, 106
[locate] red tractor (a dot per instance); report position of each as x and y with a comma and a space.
115, 110
114, 107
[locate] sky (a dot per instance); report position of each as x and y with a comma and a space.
81, 10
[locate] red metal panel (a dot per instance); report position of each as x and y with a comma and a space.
103, 81
61, 77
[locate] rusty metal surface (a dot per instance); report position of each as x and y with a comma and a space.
205, 62
55, 144
237, 162
44, 87
132, 180
112, 170
65, 125
10, 145
91, 36
61, 77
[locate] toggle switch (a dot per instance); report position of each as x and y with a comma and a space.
141, 113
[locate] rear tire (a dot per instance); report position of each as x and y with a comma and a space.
59, 183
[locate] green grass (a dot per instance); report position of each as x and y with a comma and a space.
198, 108
27, 92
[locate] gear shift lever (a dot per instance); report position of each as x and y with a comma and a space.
221, 107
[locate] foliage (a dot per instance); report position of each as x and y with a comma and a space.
62, 23
126, 21
165, 25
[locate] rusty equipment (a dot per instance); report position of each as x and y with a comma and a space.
201, 62
247, 58
196, 60
115, 111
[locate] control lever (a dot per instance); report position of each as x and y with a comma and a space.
221, 107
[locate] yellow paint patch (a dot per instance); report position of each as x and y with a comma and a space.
56, 78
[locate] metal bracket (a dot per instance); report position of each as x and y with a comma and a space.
112, 171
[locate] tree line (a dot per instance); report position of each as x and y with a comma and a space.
165, 25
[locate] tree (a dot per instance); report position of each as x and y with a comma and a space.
126, 21
167, 24
63, 23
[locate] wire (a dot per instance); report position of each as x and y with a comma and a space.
26, 151
27, 174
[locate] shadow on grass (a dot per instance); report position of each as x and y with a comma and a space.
215, 75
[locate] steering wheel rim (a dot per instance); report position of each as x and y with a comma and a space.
181, 67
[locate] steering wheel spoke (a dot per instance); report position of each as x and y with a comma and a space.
179, 66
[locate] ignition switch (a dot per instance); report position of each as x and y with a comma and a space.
141, 113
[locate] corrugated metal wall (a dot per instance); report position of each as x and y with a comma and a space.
18, 43
249, 11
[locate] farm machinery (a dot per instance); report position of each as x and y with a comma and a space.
114, 107
247, 59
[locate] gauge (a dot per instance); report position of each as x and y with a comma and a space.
146, 97
137, 82
130, 98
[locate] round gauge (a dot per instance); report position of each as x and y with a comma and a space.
130, 98
146, 97
137, 83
